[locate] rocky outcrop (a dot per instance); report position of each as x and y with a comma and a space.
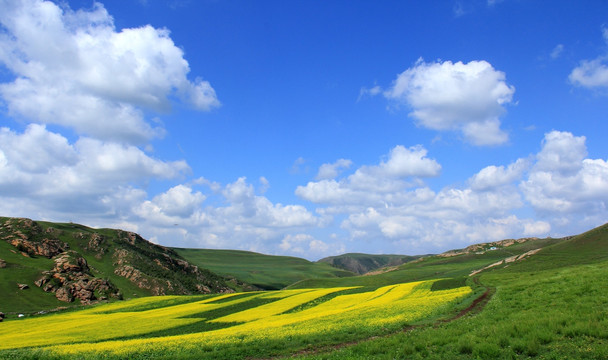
95, 243
155, 268
479, 248
366, 263
29, 238
508, 260
71, 279
2, 264
47, 247
164, 264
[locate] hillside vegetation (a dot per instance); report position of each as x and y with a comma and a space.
264, 271
48, 265
515, 299
454, 264
364, 263
232, 326
552, 305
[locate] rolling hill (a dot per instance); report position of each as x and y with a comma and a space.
47, 265
512, 299
452, 264
364, 263
550, 305
267, 272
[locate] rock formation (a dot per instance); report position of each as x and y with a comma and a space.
71, 279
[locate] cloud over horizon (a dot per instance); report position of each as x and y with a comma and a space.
469, 98
102, 125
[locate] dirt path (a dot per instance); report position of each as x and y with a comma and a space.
476, 306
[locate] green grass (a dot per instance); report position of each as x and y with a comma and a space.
264, 271
234, 326
551, 314
432, 267
364, 263
550, 306
156, 264
23, 270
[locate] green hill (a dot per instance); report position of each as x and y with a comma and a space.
531, 298
549, 305
452, 264
48, 265
264, 271
364, 263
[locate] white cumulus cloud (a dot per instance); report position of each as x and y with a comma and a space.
330, 171
456, 96
564, 184
75, 69
374, 184
46, 172
592, 73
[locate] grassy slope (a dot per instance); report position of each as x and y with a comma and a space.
363, 263
265, 271
24, 270
432, 267
21, 269
99, 267
549, 306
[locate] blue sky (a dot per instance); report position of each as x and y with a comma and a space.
307, 128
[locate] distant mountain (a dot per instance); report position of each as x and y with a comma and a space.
364, 263
269, 272
44, 265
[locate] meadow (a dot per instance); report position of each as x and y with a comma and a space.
229, 326
551, 305
267, 272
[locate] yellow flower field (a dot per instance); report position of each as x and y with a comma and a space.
232, 320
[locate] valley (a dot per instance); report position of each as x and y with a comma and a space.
518, 298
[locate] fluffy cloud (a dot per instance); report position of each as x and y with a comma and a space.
76, 70
373, 185
493, 176
558, 184
177, 202
455, 96
330, 171
592, 73
236, 217
41, 167
564, 182
307, 246
73, 68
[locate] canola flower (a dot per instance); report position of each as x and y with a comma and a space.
392, 305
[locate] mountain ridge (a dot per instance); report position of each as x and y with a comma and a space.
76, 264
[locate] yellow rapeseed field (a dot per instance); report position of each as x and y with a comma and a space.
95, 330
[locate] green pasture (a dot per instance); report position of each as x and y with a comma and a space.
264, 271
553, 305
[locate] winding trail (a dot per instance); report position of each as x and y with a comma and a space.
476, 307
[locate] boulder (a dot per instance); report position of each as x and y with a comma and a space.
47, 247
70, 262
64, 294
23, 286
71, 279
